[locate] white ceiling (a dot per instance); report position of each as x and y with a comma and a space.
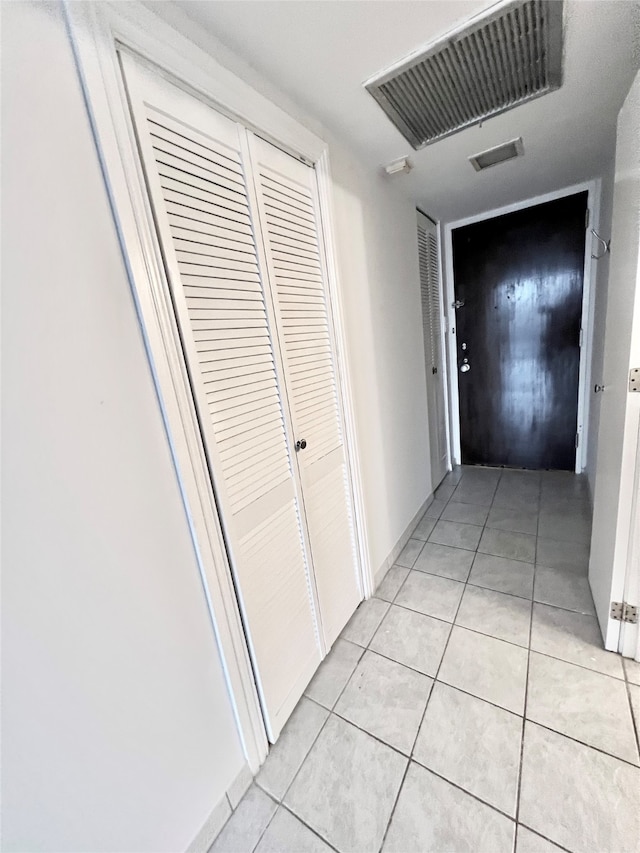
319, 53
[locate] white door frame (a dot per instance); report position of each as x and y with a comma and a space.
593, 189
96, 31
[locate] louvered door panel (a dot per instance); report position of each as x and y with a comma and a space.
286, 192
193, 164
432, 330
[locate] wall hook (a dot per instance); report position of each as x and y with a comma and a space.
606, 245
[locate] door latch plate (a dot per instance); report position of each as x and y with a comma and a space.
634, 379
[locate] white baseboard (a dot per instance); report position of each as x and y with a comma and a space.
221, 813
402, 541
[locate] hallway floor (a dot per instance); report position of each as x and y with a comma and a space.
469, 705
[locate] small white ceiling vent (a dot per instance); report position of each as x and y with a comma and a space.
498, 62
493, 156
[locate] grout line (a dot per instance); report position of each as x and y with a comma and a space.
464, 790
636, 766
526, 683
635, 721
546, 838
315, 831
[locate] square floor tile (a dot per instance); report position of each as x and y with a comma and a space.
572, 637
291, 748
432, 595
474, 492
245, 826
433, 816
391, 583
286, 834
465, 513
563, 589
455, 534
409, 553
434, 510
564, 526
572, 556
473, 744
347, 786
386, 699
632, 670
509, 500
531, 842
444, 491
334, 672
582, 704
578, 797
423, 528
510, 576
514, 520
454, 563
364, 622
504, 543
485, 667
506, 617
413, 639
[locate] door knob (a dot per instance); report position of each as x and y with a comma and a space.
300, 445
464, 368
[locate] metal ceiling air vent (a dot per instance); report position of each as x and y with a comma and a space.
496, 63
493, 156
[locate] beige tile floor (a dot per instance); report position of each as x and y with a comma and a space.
469, 705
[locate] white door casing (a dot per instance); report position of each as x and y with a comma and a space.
432, 326
612, 569
196, 179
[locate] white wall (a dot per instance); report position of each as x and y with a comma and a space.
376, 243
117, 727
378, 257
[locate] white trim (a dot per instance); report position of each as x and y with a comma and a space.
95, 30
593, 190
629, 639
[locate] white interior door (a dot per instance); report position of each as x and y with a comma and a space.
611, 544
430, 291
194, 169
287, 201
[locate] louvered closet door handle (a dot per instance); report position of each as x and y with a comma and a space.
300, 445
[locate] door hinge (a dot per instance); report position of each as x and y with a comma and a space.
634, 379
587, 217
622, 612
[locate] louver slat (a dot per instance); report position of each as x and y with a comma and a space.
499, 62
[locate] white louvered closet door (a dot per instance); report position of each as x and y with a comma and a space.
196, 181
287, 201
432, 328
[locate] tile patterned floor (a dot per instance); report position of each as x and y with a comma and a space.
469, 705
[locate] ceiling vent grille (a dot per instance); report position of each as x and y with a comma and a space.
496, 63
499, 154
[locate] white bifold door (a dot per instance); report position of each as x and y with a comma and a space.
430, 290
238, 229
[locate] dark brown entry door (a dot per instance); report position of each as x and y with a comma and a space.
518, 287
